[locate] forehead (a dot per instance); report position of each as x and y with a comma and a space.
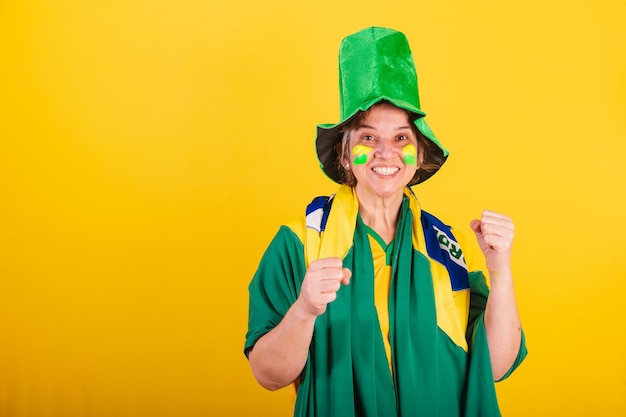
384, 115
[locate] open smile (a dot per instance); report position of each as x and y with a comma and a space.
386, 171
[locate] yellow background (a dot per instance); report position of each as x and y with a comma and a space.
150, 149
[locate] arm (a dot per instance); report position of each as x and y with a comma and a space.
278, 357
495, 234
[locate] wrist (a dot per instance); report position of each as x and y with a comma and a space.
500, 277
302, 313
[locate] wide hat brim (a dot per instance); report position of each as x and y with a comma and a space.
329, 135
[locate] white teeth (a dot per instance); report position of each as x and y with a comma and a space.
385, 170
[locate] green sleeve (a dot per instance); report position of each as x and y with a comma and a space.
275, 285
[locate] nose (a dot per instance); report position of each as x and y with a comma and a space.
384, 149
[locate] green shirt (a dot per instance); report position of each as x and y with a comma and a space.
347, 371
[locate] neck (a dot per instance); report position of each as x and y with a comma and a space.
381, 214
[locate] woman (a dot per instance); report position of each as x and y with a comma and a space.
370, 305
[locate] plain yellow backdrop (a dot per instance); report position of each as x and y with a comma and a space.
149, 150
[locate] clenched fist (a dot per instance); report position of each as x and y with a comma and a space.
495, 234
321, 283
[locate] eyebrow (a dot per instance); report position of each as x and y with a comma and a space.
373, 128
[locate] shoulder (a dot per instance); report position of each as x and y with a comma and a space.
314, 217
286, 240
280, 269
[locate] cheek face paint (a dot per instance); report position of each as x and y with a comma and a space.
410, 154
361, 153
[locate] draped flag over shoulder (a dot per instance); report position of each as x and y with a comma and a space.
440, 358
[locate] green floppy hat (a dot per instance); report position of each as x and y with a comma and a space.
375, 64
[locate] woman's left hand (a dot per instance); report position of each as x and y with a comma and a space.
495, 233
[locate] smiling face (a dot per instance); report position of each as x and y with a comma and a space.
383, 152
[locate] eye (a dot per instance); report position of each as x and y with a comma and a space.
367, 138
402, 138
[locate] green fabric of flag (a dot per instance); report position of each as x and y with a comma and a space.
347, 373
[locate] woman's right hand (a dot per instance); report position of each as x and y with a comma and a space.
278, 357
321, 282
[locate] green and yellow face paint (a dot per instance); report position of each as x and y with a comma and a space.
360, 154
409, 154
